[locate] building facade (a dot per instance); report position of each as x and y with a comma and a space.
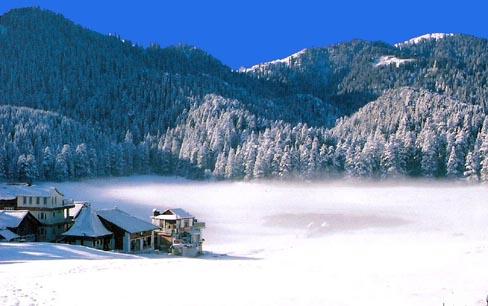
179, 232
131, 234
89, 231
47, 205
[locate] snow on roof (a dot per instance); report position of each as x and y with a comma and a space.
87, 225
12, 218
125, 221
390, 59
12, 191
75, 211
176, 213
416, 40
286, 61
8, 235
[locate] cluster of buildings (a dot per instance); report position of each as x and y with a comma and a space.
30, 213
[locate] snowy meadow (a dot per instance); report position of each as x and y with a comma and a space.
324, 243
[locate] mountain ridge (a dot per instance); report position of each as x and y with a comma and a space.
179, 110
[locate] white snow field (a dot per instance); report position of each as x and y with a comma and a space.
273, 244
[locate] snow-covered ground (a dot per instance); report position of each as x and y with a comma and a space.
273, 244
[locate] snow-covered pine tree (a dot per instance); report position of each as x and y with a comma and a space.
454, 163
484, 170
27, 168
429, 149
230, 165
47, 165
285, 164
60, 168
471, 172
219, 170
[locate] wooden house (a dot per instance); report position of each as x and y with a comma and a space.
21, 223
179, 232
46, 204
89, 231
131, 234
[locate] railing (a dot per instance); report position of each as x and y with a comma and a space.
173, 231
167, 231
68, 202
199, 225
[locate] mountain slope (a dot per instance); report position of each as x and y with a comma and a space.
38, 144
414, 132
178, 110
348, 74
107, 81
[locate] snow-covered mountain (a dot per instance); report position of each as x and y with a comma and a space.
392, 60
287, 61
179, 110
425, 37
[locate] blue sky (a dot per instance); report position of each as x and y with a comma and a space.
242, 33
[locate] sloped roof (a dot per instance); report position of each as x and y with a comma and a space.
12, 191
125, 221
87, 224
12, 218
181, 213
175, 213
75, 211
8, 235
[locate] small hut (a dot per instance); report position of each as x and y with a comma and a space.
131, 234
20, 222
89, 231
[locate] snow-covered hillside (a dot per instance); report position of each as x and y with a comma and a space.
274, 244
287, 61
390, 59
416, 40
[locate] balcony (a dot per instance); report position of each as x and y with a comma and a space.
167, 231
199, 225
68, 203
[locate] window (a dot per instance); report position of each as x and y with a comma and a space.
38, 200
54, 214
45, 201
30, 200
24, 200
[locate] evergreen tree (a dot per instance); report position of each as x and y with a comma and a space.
454, 163
285, 164
471, 172
82, 167
484, 170
27, 168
